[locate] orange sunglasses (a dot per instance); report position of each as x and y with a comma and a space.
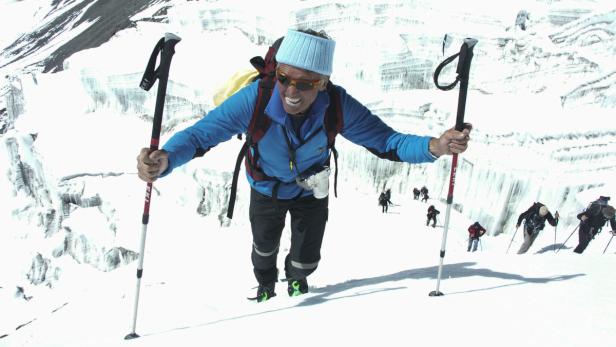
301, 84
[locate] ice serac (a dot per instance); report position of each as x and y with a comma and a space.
45, 209
32, 202
214, 191
120, 92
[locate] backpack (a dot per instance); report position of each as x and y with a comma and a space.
595, 207
476, 230
382, 199
237, 81
259, 124
431, 211
533, 220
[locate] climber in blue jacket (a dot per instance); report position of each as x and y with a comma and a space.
294, 154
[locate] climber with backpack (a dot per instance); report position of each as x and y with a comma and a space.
592, 220
384, 201
475, 231
432, 213
289, 142
534, 221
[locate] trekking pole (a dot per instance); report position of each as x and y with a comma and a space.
463, 68
164, 47
510, 242
564, 243
608, 244
555, 237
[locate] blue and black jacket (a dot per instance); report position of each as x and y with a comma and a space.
310, 148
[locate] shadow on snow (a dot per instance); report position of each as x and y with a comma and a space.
452, 270
327, 293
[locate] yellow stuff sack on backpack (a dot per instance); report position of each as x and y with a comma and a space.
235, 83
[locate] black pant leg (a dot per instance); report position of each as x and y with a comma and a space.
585, 235
267, 222
308, 219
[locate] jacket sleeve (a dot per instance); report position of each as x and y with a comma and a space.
521, 217
525, 214
579, 216
220, 124
553, 221
363, 128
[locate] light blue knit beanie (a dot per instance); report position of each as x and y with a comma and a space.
307, 52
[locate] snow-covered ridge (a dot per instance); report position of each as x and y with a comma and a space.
72, 26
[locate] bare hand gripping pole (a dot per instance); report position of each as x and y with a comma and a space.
164, 48
464, 65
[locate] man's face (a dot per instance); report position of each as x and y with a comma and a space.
298, 88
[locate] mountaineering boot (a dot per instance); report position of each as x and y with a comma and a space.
297, 287
265, 292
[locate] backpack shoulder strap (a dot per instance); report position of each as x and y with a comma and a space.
236, 173
267, 74
259, 122
334, 122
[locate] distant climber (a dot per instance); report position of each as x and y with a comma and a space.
424, 194
432, 213
415, 194
475, 231
592, 221
384, 201
534, 221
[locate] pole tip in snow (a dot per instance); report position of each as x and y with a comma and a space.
436, 293
131, 336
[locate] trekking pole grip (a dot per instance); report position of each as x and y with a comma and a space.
463, 69
166, 48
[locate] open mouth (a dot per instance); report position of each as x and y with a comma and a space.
292, 102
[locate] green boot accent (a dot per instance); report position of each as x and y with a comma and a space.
296, 291
265, 293
297, 287
263, 297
